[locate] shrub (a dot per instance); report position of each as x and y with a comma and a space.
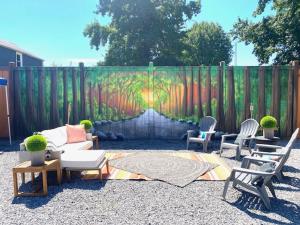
36, 143
268, 122
87, 124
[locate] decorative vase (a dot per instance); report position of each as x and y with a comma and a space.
268, 133
37, 158
89, 136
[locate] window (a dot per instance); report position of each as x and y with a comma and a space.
19, 59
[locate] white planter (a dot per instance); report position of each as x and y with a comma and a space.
37, 158
268, 133
89, 136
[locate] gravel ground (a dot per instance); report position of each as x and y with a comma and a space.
148, 202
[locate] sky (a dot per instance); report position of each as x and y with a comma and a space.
53, 29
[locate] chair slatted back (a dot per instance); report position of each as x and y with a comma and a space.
248, 129
207, 123
287, 150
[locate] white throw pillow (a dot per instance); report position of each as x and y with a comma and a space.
57, 136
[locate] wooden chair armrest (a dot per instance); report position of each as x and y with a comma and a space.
267, 153
252, 172
257, 146
256, 159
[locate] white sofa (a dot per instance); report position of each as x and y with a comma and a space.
72, 156
58, 138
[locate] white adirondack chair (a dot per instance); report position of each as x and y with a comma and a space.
281, 156
245, 176
207, 125
248, 130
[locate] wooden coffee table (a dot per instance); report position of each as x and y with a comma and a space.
25, 167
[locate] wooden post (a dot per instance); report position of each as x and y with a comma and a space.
247, 96
75, 98
220, 98
30, 107
11, 97
261, 93
82, 91
275, 103
41, 99
208, 92
231, 111
296, 111
289, 111
54, 114
65, 96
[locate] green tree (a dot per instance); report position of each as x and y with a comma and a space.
276, 35
142, 30
208, 44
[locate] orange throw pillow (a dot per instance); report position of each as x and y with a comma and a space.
75, 133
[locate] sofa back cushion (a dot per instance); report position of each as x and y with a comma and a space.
75, 133
57, 136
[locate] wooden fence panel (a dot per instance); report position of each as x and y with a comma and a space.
220, 98
54, 114
208, 92
247, 95
289, 116
275, 103
30, 107
75, 98
82, 91
65, 96
41, 99
261, 93
231, 110
200, 110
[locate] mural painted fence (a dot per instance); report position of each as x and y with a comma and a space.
152, 101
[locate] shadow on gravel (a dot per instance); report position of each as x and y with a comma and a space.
286, 209
36, 202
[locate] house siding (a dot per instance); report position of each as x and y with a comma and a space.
8, 55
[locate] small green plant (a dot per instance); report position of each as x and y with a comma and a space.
36, 143
268, 122
87, 124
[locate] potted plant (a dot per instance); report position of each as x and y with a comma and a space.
87, 126
36, 145
269, 124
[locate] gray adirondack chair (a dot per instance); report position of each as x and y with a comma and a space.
248, 130
245, 176
207, 125
281, 156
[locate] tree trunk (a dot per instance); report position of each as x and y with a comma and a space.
185, 93
99, 99
75, 98
191, 104
200, 111
91, 99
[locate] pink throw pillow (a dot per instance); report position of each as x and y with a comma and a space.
75, 133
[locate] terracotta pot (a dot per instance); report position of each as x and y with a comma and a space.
268, 133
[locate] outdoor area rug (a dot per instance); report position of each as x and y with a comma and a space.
219, 173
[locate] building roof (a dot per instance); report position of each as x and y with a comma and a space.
16, 48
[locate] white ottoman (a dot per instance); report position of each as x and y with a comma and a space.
84, 160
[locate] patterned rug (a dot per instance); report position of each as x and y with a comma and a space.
219, 173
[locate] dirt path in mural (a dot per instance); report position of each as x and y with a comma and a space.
150, 124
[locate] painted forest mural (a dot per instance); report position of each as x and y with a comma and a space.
145, 101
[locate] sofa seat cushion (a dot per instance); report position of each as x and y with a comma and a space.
57, 136
76, 146
82, 159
